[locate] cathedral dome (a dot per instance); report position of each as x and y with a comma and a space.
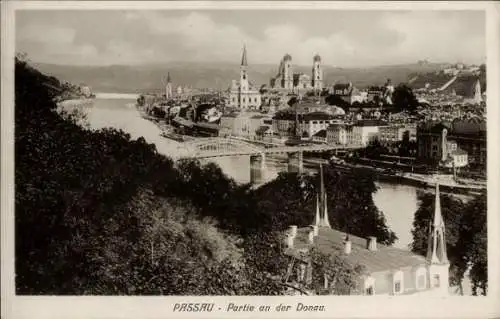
287, 57
317, 58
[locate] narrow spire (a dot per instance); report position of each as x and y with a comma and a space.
326, 221
317, 219
244, 56
438, 218
322, 183
169, 80
436, 253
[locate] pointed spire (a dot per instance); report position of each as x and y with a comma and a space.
436, 253
244, 56
317, 219
325, 221
322, 183
438, 219
169, 80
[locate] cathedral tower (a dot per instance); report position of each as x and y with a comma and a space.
437, 259
317, 74
168, 87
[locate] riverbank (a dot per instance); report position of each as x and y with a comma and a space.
446, 182
75, 102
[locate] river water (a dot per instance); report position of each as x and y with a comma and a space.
397, 202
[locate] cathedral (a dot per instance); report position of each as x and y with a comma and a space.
242, 94
287, 80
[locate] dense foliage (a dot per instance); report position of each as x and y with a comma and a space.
404, 99
466, 237
99, 213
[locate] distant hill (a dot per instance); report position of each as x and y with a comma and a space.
463, 84
138, 79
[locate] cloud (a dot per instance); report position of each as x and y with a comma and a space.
47, 34
53, 43
341, 38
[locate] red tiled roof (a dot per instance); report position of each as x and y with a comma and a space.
331, 241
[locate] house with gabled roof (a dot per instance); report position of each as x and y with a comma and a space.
387, 270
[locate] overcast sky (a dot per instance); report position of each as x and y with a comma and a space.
342, 38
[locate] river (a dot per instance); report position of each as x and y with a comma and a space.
397, 202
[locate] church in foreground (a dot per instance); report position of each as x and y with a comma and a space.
387, 270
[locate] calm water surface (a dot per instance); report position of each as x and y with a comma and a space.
398, 202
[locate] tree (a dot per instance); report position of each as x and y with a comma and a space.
290, 200
336, 100
404, 99
465, 236
341, 276
292, 101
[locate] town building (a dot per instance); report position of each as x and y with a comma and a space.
242, 94
287, 80
375, 94
431, 141
345, 91
244, 124
397, 133
320, 137
340, 134
386, 270
470, 136
462, 140
287, 123
365, 131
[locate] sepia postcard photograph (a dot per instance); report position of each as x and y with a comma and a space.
239, 159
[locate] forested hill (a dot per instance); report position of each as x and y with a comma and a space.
138, 79
99, 213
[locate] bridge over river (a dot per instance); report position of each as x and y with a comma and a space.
211, 147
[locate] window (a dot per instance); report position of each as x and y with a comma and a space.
435, 281
369, 286
421, 282
397, 287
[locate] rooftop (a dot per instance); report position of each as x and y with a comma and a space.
331, 241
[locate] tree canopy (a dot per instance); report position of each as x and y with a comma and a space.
404, 99
466, 237
99, 213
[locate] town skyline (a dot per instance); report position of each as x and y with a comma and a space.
147, 37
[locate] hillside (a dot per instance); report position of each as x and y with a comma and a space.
132, 79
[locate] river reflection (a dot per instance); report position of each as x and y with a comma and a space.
397, 202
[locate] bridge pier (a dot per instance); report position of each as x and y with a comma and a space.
296, 162
257, 168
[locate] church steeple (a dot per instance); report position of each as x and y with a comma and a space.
168, 87
317, 219
322, 205
244, 57
436, 250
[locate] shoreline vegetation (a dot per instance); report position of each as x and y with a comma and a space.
98, 213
